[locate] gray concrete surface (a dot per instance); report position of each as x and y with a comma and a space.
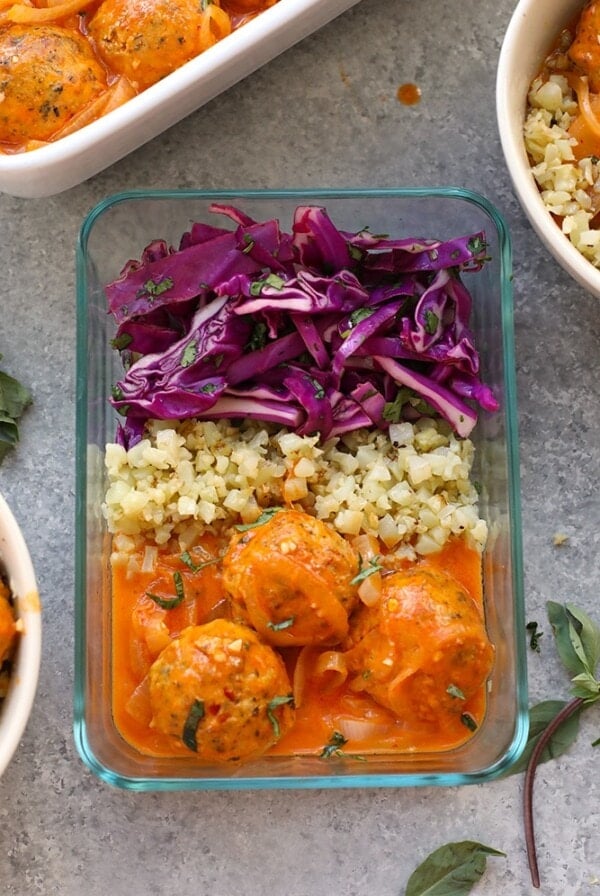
324, 114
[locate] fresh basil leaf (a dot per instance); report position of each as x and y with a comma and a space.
281, 626
186, 558
572, 656
451, 870
372, 567
586, 687
265, 517
272, 705
14, 398
540, 717
190, 728
588, 634
169, 603
334, 745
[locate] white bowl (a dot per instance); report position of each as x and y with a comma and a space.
16, 708
76, 157
532, 32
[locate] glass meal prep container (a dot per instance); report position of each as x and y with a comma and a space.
118, 229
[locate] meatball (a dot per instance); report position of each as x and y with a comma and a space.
144, 40
291, 579
47, 75
221, 691
422, 651
585, 49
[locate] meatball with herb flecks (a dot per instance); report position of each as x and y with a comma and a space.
291, 578
422, 650
47, 75
145, 40
222, 692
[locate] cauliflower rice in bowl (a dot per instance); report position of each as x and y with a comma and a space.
570, 186
553, 170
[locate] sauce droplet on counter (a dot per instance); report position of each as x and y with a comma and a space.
409, 94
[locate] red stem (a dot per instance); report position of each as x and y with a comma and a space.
566, 712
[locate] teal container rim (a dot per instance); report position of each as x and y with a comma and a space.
378, 780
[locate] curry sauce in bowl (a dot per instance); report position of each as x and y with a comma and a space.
293, 570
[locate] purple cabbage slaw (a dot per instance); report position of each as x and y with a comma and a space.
319, 330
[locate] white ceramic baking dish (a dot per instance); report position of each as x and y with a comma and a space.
78, 156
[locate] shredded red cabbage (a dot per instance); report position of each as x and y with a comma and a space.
319, 330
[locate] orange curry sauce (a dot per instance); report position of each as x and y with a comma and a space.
370, 727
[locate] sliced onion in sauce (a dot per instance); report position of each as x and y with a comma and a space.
369, 590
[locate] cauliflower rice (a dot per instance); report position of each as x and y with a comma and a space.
570, 188
411, 488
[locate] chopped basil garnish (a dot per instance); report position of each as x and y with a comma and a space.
355, 318
455, 692
249, 244
319, 390
208, 388
190, 729
468, 721
333, 746
156, 289
122, 341
431, 322
258, 337
189, 354
372, 567
476, 244
265, 516
196, 567
273, 280
272, 705
169, 603
280, 626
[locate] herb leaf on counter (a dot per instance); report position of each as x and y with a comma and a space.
534, 636
540, 717
14, 398
577, 640
451, 870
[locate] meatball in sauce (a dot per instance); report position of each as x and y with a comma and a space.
47, 75
221, 691
145, 40
291, 579
422, 651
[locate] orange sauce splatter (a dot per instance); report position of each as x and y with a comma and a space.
409, 94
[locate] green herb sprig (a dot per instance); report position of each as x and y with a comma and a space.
265, 517
577, 640
190, 728
451, 870
14, 399
272, 705
169, 603
365, 572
